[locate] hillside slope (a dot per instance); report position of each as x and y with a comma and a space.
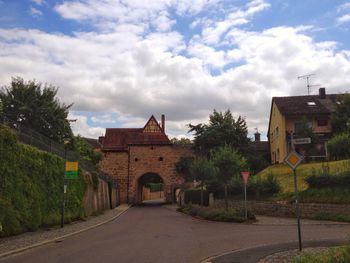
284, 173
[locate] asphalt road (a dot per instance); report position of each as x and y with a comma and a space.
157, 234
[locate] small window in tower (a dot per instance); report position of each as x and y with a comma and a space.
160, 158
136, 159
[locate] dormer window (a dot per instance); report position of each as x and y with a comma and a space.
311, 103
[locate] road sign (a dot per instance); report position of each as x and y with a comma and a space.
245, 176
293, 159
302, 140
71, 170
71, 166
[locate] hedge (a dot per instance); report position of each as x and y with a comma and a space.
155, 187
31, 183
193, 196
327, 180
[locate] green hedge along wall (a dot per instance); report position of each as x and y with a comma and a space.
31, 184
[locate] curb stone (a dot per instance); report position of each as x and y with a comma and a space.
19, 250
254, 254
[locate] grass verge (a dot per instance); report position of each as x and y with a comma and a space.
285, 175
331, 255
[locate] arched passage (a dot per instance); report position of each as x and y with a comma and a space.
150, 189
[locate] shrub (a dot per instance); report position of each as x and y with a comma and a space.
230, 215
339, 146
193, 196
324, 180
31, 183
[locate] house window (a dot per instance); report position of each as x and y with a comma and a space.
299, 126
276, 132
322, 122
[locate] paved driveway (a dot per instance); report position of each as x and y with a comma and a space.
157, 234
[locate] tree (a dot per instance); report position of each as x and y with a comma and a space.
222, 129
304, 130
181, 141
228, 162
183, 166
86, 151
339, 146
340, 118
202, 170
35, 106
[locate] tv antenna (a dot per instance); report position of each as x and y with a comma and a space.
308, 85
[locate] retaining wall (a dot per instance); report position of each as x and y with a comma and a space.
286, 209
97, 200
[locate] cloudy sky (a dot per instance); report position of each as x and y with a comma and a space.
120, 61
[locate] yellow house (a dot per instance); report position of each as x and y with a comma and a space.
285, 118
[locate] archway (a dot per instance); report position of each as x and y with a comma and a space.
151, 189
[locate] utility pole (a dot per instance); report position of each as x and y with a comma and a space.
308, 85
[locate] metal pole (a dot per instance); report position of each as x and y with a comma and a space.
297, 212
245, 201
297, 208
64, 187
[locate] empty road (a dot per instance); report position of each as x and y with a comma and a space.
157, 234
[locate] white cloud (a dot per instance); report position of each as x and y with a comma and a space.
343, 7
35, 12
81, 127
344, 19
38, 2
106, 118
133, 72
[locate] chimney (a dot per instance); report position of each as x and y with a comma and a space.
163, 123
257, 137
322, 93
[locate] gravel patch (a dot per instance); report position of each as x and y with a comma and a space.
24, 240
288, 256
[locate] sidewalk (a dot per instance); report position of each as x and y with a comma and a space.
15, 244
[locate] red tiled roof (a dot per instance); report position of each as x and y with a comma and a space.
297, 105
118, 139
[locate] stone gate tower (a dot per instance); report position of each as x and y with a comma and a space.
132, 154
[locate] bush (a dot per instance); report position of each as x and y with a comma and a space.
31, 183
339, 146
193, 196
213, 214
324, 180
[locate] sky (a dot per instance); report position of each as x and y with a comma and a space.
120, 61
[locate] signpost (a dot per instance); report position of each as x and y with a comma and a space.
71, 172
302, 141
293, 159
245, 177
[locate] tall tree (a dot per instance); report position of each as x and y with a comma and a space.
222, 129
340, 119
35, 106
228, 162
202, 170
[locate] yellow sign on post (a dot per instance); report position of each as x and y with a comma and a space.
71, 170
293, 159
